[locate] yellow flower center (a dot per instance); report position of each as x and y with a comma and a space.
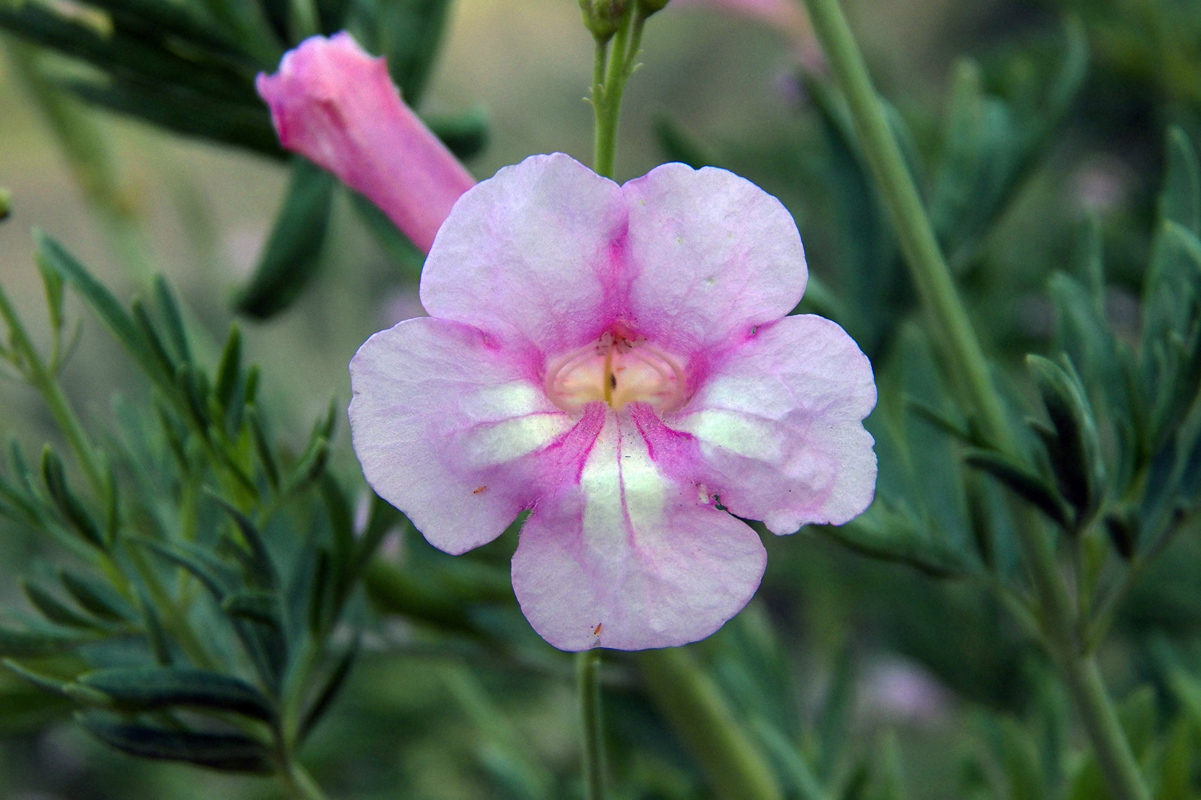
618, 369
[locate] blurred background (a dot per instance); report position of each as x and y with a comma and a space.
929, 672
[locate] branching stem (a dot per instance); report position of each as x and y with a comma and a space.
964, 357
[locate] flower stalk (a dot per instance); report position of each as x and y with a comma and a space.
616, 60
592, 727
965, 359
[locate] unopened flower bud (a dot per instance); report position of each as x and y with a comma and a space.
604, 17
648, 7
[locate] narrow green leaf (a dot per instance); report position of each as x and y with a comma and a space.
309, 467
227, 752
263, 448
1180, 199
155, 344
67, 503
329, 692
137, 689
46, 682
465, 134
1075, 453
101, 301
1122, 528
52, 282
155, 633
177, 333
263, 571
1027, 485
96, 597
260, 607
230, 367
186, 112
53, 609
16, 643
293, 251
216, 576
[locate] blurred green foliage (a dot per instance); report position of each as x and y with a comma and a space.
191, 583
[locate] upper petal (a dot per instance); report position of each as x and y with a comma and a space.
447, 428
711, 254
779, 425
336, 105
629, 558
532, 255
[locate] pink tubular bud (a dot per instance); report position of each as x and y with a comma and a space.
335, 105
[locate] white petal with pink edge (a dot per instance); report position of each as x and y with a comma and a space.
779, 424
446, 431
629, 558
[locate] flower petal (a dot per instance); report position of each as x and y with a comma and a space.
779, 426
336, 105
446, 426
712, 255
532, 255
628, 558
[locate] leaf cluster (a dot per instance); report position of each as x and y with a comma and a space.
211, 564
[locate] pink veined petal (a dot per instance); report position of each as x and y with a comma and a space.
629, 558
336, 106
449, 428
779, 426
533, 255
712, 256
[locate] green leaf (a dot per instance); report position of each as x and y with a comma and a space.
54, 609
293, 251
16, 643
52, 282
408, 34
230, 368
260, 607
1180, 198
185, 112
262, 568
155, 633
1022, 482
1075, 448
137, 689
96, 597
227, 752
215, 575
329, 692
1021, 761
67, 504
263, 448
100, 299
177, 333
465, 134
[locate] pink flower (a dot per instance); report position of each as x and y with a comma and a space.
614, 359
617, 360
336, 105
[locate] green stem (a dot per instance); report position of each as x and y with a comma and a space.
964, 357
610, 72
700, 716
587, 675
298, 783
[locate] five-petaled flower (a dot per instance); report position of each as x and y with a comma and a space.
617, 360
